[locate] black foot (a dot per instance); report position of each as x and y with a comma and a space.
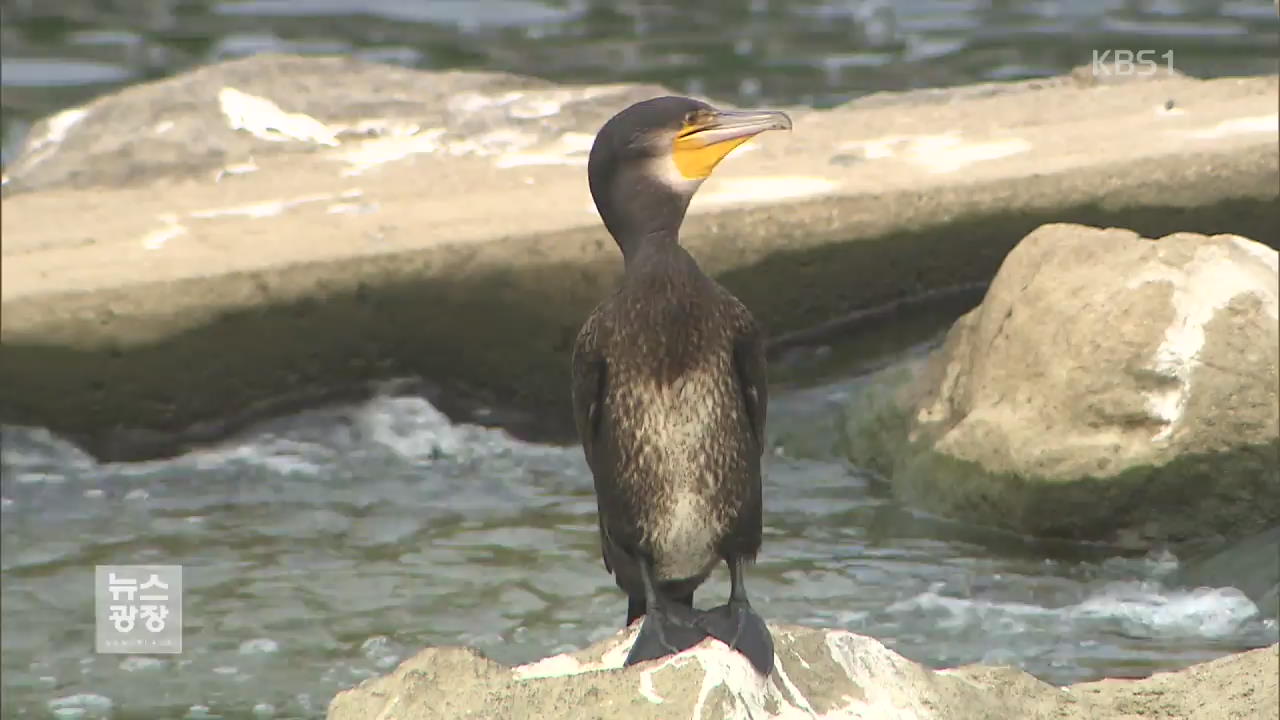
739, 627
669, 630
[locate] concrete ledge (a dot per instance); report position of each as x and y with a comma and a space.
147, 309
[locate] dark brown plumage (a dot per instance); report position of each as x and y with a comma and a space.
669, 386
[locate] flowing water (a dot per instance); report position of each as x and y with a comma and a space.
321, 549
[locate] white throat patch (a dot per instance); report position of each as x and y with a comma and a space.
664, 168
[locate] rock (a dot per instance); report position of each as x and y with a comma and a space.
818, 673
223, 118
1235, 687
186, 256
1108, 387
1251, 564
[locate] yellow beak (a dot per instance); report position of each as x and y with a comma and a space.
701, 145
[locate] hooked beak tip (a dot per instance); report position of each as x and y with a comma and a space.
758, 120
729, 125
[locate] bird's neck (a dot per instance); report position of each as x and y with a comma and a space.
649, 249
644, 216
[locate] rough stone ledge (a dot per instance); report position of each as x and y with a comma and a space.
830, 674
258, 234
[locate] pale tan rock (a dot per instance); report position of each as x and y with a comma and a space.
829, 674
1109, 386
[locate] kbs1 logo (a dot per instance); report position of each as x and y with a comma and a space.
1120, 63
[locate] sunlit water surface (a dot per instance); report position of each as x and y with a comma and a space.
325, 548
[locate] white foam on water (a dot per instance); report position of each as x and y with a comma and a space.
259, 646
1145, 609
409, 426
276, 455
142, 663
306, 445
36, 450
81, 705
1136, 608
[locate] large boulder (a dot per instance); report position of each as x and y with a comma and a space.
1108, 387
818, 673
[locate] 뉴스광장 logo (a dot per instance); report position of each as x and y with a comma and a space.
138, 608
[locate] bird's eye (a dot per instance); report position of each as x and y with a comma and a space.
692, 123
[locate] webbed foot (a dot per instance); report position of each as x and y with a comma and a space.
666, 630
738, 626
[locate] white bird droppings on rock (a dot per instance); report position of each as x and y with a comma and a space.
40, 147
1207, 284
1267, 255
169, 229
941, 153
265, 120
570, 148
369, 154
1096, 356
647, 689
243, 168
846, 677
554, 666
1239, 126
761, 189
269, 208
948, 153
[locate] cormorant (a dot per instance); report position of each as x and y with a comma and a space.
669, 387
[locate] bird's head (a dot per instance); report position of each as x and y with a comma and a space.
649, 159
